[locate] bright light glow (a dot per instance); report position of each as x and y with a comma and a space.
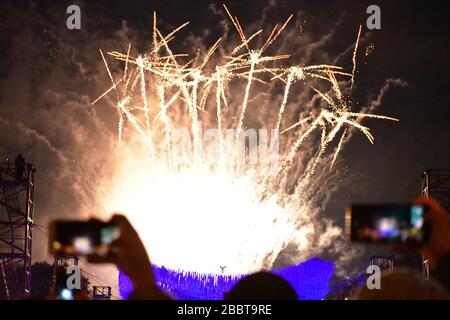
66, 294
203, 216
200, 220
82, 245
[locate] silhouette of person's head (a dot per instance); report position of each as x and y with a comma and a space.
403, 284
262, 286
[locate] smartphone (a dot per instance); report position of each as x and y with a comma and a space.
82, 238
392, 223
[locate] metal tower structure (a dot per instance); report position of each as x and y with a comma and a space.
384, 262
62, 262
16, 222
101, 293
436, 184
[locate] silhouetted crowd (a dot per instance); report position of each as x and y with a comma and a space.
398, 284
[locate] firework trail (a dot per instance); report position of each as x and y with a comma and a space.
162, 90
188, 79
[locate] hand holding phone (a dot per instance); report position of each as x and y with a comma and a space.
438, 242
113, 242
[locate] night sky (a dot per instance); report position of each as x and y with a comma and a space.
48, 76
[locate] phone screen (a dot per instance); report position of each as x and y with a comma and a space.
386, 223
82, 238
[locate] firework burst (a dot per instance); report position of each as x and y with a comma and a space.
160, 89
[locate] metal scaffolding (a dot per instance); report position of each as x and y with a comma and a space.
64, 261
436, 184
386, 263
16, 222
101, 293
61, 262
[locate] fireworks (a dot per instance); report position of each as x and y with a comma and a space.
161, 91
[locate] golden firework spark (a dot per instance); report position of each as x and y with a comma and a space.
187, 80
161, 90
